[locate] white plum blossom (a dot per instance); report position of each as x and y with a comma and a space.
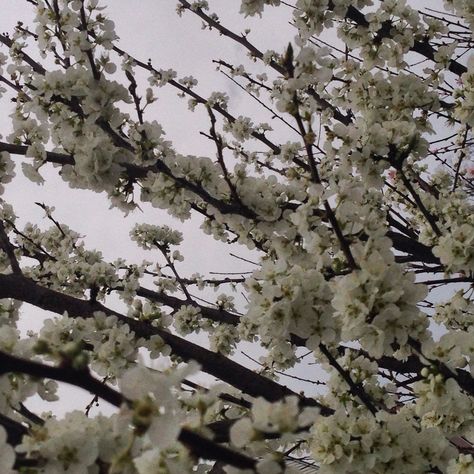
241, 128
148, 236
252, 7
6, 170
463, 465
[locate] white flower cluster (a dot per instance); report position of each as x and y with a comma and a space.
156, 410
384, 444
3, 60
440, 403
464, 464
124, 442
456, 249
99, 341
16, 388
162, 77
148, 236
266, 417
75, 443
6, 170
457, 313
241, 128
223, 338
286, 301
75, 40
364, 372
188, 319
253, 7
377, 304
455, 246
311, 16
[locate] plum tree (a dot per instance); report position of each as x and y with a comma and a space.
354, 208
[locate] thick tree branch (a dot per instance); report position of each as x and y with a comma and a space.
79, 378
27, 59
24, 289
197, 443
15, 430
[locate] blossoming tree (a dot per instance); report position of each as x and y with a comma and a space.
357, 217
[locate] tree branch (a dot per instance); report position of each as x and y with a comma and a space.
24, 289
